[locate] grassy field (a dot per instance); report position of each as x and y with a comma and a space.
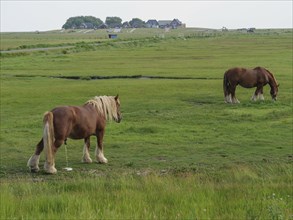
180, 151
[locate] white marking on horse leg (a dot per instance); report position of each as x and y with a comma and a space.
50, 168
33, 163
254, 97
228, 99
100, 156
261, 97
86, 155
235, 100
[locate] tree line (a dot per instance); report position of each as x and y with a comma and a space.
96, 23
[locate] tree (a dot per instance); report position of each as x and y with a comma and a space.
75, 22
113, 22
95, 21
137, 23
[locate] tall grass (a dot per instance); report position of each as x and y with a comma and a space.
243, 193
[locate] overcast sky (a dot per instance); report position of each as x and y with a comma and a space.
23, 15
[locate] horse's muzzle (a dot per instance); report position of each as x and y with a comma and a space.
118, 120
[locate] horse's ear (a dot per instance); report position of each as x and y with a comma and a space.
116, 97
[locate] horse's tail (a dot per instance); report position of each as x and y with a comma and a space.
48, 140
225, 84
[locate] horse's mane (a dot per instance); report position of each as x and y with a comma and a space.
105, 105
272, 75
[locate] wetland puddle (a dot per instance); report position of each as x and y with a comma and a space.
129, 77
140, 77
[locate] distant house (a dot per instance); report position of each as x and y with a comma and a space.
126, 24
103, 26
175, 23
86, 25
164, 23
152, 24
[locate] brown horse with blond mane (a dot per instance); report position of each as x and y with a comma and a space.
249, 78
76, 122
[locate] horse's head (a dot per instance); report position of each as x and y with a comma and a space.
273, 84
274, 91
118, 118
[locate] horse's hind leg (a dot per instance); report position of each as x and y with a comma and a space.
49, 166
33, 162
233, 95
228, 97
227, 92
86, 155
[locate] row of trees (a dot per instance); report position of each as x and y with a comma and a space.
92, 22
75, 22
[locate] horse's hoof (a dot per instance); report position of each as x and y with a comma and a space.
101, 158
34, 170
103, 161
88, 160
50, 170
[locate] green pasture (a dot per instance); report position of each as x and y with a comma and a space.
180, 152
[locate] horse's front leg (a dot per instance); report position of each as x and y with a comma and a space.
261, 97
258, 94
86, 155
33, 162
99, 149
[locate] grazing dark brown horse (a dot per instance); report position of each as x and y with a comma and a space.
76, 122
249, 78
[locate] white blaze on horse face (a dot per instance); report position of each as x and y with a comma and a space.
86, 155
100, 156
